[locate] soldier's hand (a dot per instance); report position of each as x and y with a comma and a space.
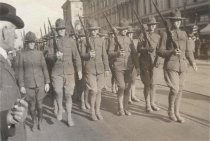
47, 87
150, 49
59, 55
92, 54
138, 72
80, 75
23, 90
177, 51
122, 52
106, 73
18, 112
195, 67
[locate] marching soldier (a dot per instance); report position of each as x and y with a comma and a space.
176, 53
63, 70
124, 57
95, 65
149, 62
33, 78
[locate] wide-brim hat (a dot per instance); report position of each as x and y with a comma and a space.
60, 24
176, 15
124, 24
8, 13
151, 20
93, 25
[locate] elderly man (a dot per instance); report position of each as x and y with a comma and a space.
13, 110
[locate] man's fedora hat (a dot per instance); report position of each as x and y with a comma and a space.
124, 24
93, 25
151, 20
176, 15
60, 24
8, 13
30, 37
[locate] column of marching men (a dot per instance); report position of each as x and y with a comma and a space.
82, 66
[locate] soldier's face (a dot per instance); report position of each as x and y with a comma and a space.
151, 27
62, 32
31, 45
94, 32
124, 32
7, 35
176, 23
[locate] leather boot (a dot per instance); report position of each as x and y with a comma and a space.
126, 99
177, 105
120, 98
92, 105
98, 106
152, 99
34, 120
147, 99
171, 100
40, 117
69, 109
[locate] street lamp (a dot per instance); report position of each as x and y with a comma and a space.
185, 4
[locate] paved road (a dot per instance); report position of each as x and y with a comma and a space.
140, 126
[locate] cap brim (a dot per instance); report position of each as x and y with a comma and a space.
152, 23
94, 28
176, 18
60, 28
17, 21
123, 27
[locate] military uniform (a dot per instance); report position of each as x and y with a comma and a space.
149, 62
175, 66
33, 76
94, 69
123, 65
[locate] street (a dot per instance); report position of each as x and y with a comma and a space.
141, 126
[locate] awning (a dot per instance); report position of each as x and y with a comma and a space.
205, 30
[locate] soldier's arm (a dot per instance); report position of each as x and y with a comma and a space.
76, 58
134, 55
84, 54
21, 71
105, 57
44, 69
157, 58
162, 51
111, 48
189, 52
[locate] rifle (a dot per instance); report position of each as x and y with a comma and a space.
55, 46
144, 31
86, 34
41, 32
166, 26
114, 33
45, 30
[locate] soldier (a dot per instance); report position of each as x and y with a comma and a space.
33, 78
124, 57
176, 53
149, 62
63, 69
95, 65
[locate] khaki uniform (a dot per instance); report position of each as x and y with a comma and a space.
175, 66
149, 62
123, 65
94, 68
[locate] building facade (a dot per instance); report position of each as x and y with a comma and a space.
194, 10
71, 10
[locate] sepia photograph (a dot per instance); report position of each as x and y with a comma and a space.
104, 70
